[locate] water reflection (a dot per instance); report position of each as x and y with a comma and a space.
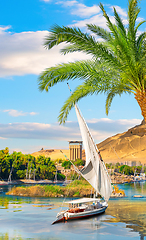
6, 236
131, 213
134, 188
31, 218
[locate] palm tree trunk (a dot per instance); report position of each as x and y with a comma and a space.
140, 97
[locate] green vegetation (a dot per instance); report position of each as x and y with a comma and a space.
117, 64
24, 166
66, 164
125, 169
79, 188
79, 162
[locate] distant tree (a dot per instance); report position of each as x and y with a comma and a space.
79, 162
59, 160
117, 164
126, 170
138, 169
6, 150
109, 166
66, 164
60, 176
21, 165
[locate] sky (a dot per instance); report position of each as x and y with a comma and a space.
28, 117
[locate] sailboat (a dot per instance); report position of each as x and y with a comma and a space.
95, 173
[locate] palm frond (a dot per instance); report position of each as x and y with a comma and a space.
114, 91
59, 34
80, 92
109, 23
133, 11
109, 99
137, 27
100, 32
64, 72
140, 41
119, 23
117, 65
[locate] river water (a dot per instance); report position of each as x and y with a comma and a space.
30, 218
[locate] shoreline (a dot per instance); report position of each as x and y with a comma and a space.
25, 181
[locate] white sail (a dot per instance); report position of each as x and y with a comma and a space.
94, 171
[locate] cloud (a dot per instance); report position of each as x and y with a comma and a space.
23, 53
91, 14
16, 113
100, 129
3, 29
93, 20
80, 9
84, 11
68, 3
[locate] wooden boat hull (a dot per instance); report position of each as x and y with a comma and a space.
59, 220
81, 215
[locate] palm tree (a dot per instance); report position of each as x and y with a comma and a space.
117, 64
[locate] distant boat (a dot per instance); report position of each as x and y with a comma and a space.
139, 177
95, 173
138, 196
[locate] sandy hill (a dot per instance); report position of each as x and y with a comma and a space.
127, 146
52, 153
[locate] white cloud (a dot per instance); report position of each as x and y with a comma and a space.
23, 53
100, 129
97, 18
16, 113
80, 9
3, 29
68, 3
84, 11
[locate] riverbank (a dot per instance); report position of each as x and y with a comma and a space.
115, 179
27, 181
78, 188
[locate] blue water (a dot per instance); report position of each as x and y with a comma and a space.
31, 218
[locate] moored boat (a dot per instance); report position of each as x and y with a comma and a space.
81, 208
95, 173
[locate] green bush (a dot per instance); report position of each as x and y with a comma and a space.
66, 164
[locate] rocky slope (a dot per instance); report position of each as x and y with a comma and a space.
127, 146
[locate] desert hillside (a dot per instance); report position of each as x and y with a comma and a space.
127, 146
52, 153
